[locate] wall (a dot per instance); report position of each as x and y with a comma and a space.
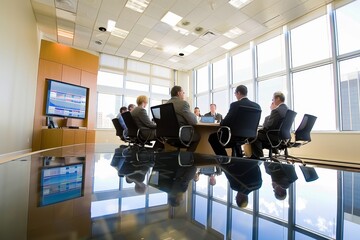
69, 65
19, 54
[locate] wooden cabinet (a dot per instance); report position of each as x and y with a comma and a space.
58, 137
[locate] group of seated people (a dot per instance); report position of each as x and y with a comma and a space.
186, 117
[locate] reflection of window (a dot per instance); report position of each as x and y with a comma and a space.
241, 225
105, 176
218, 219
310, 42
308, 100
349, 94
271, 56
202, 80
156, 199
277, 231
348, 27
200, 210
220, 76
242, 66
107, 108
105, 207
131, 203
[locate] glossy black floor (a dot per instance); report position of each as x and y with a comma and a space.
118, 192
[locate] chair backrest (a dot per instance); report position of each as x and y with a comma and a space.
167, 124
246, 122
285, 127
131, 125
302, 133
119, 129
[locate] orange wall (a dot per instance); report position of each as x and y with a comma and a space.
66, 64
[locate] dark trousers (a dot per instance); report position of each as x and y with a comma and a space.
260, 143
221, 150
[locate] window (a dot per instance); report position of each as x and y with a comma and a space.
310, 42
307, 98
221, 100
242, 66
220, 76
348, 27
110, 79
271, 56
202, 80
350, 94
108, 107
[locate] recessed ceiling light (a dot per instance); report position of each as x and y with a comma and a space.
117, 32
171, 18
229, 45
239, 3
189, 49
137, 54
234, 32
148, 42
137, 5
65, 33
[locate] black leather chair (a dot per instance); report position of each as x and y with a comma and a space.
278, 139
119, 130
243, 129
168, 129
136, 135
302, 133
309, 173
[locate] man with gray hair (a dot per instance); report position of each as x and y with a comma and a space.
273, 121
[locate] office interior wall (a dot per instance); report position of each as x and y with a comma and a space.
19, 56
63, 63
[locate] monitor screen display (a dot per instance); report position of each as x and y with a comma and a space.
66, 100
61, 183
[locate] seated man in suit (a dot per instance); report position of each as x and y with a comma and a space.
273, 121
143, 121
184, 114
217, 116
242, 100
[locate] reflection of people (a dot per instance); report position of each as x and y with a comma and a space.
217, 116
244, 177
242, 100
168, 176
132, 165
273, 121
211, 172
282, 176
183, 113
143, 121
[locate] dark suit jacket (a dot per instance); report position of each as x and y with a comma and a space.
143, 121
184, 115
274, 120
233, 109
217, 116
282, 174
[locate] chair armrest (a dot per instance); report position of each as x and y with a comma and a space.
273, 132
182, 130
142, 131
220, 132
189, 164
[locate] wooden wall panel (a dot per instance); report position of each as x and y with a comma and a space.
69, 65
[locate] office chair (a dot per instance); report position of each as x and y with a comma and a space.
302, 136
243, 129
168, 129
120, 132
278, 139
309, 173
137, 136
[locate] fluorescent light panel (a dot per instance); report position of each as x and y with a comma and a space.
137, 5
117, 32
110, 25
239, 3
148, 42
65, 33
171, 18
137, 54
229, 45
234, 32
190, 48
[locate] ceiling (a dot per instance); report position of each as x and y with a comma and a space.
202, 26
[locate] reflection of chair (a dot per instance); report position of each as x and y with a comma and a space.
135, 134
309, 173
119, 129
168, 128
278, 139
243, 129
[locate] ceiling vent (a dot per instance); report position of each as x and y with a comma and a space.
208, 36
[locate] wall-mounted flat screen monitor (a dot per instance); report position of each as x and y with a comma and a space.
65, 100
61, 183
